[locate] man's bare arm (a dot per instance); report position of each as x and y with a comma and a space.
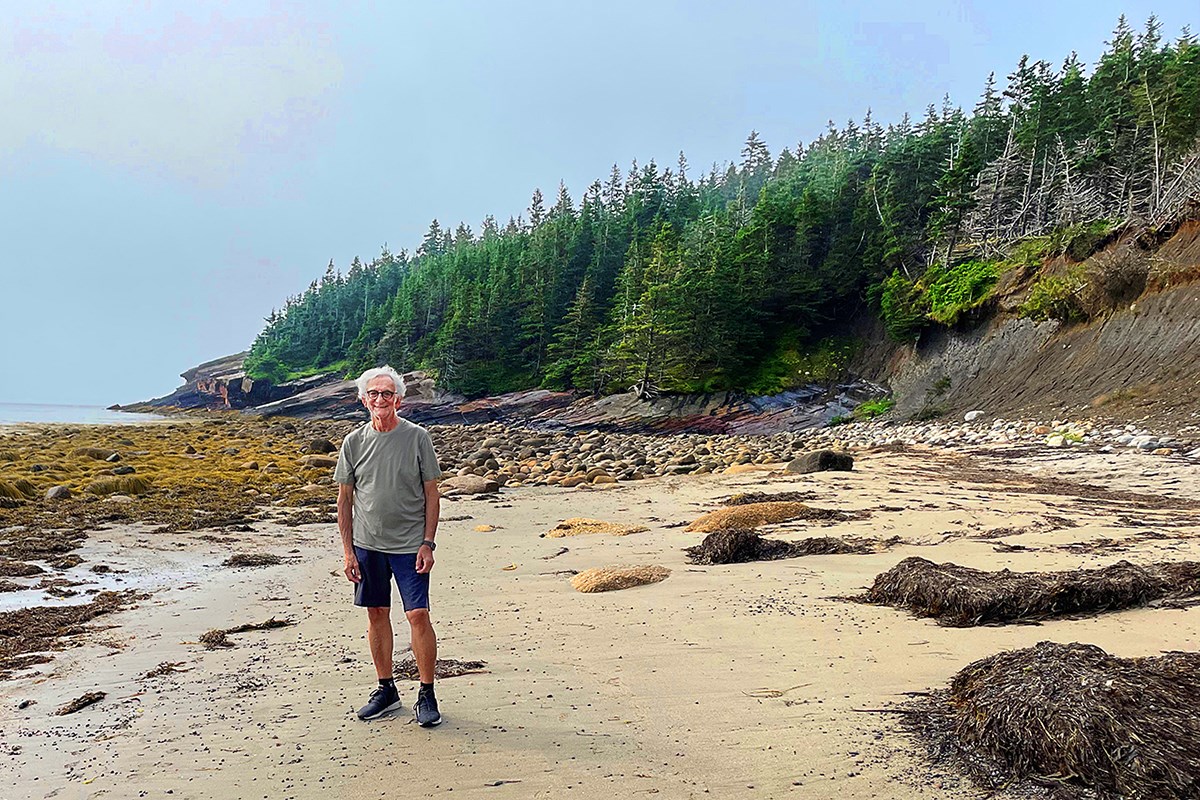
345, 518
433, 510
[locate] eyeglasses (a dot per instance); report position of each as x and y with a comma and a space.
375, 394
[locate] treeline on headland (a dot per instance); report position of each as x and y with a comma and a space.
661, 281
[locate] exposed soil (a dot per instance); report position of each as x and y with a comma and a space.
1142, 362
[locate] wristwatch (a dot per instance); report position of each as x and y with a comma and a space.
432, 545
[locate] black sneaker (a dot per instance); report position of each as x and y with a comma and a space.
426, 709
383, 700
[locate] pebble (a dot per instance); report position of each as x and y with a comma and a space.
515, 456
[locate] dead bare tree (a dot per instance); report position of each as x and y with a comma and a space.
1182, 194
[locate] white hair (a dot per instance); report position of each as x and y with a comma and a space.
379, 372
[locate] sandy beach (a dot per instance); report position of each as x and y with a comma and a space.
741, 680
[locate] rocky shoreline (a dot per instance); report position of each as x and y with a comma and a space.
230, 472
232, 531
294, 453
514, 457
223, 522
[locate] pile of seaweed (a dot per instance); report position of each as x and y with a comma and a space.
740, 545
745, 498
406, 670
1071, 718
28, 633
961, 596
252, 560
219, 637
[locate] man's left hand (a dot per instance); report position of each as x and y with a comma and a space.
424, 560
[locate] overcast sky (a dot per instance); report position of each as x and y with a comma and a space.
170, 172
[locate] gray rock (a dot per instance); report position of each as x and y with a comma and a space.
468, 484
319, 461
820, 461
124, 469
58, 493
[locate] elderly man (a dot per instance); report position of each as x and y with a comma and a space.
388, 509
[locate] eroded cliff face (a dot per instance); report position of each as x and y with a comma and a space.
1142, 360
219, 384
1147, 357
222, 384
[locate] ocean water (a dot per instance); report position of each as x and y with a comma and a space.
15, 413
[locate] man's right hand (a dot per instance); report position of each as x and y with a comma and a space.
352, 572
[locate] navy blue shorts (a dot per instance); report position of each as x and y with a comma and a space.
378, 569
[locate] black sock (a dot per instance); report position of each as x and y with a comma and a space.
387, 683
427, 687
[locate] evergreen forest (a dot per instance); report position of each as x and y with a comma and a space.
749, 276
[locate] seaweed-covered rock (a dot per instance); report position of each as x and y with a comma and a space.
19, 489
119, 484
97, 453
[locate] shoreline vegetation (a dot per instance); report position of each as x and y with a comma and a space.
1048, 197
722, 574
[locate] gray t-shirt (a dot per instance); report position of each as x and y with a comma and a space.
387, 471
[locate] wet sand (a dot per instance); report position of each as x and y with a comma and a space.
745, 680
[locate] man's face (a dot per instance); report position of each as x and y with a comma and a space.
381, 398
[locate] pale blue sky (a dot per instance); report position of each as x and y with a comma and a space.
170, 172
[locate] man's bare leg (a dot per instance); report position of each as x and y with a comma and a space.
379, 635
424, 643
